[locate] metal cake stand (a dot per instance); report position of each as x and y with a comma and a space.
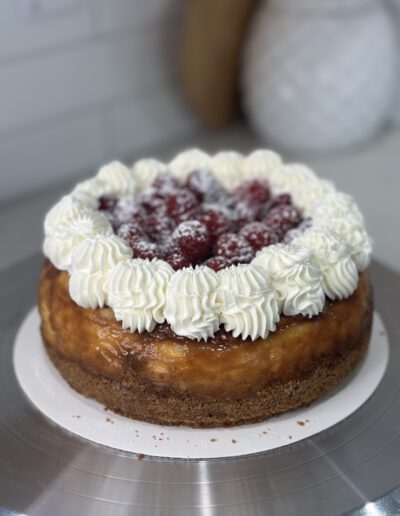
353, 467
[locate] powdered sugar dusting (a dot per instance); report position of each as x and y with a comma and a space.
200, 222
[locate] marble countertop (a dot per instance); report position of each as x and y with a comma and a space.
370, 173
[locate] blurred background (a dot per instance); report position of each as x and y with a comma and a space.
83, 82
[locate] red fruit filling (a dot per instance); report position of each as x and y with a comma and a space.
282, 218
107, 203
159, 226
192, 240
144, 249
177, 261
259, 235
216, 220
201, 223
280, 199
182, 205
205, 187
130, 231
253, 191
128, 210
217, 263
165, 184
246, 212
234, 248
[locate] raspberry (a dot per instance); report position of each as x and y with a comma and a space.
107, 203
216, 221
159, 226
253, 191
282, 218
151, 200
129, 231
204, 186
192, 240
284, 198
177, 261
138, 216
144, 249
217, 263
182, 205
234, 248
246, 212
165, 184
259, 235
206, 215
127, 210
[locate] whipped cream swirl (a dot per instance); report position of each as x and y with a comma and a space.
118, 177
296, 278
191, 305
58, 245
136, 291
66, 209
340, 274
285, 178
335, 205
308, 193
92, 188
185, 162
112, 179
248, 303
227, 167
355, 236
91, 263
261, 164
86, 199
145, 172
99, 253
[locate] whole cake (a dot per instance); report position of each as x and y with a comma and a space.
210, 291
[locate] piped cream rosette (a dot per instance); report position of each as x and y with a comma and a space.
322, 262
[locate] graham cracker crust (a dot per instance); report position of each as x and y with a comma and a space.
133, 397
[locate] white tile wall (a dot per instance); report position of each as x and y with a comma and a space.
143, 123
84, 81
82, 77
22, 35
115, 15
32, 159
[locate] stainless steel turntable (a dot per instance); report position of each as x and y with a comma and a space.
353, 466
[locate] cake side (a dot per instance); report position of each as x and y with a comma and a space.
137, 399
222, 368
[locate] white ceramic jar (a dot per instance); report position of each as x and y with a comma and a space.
319, 75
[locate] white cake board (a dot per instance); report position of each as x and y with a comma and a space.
49, 392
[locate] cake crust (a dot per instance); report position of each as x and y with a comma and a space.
163, 378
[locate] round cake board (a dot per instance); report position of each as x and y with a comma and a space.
50, 394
